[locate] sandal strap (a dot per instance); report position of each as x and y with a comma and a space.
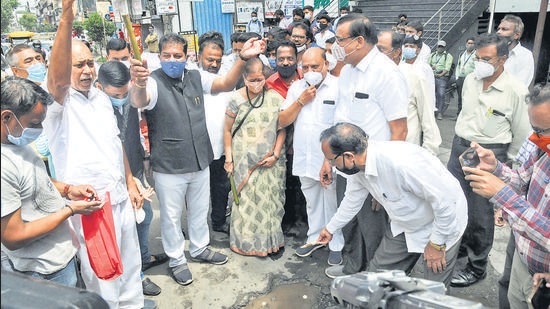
180, 268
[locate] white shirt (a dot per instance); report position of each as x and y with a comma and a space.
421, 125
371, 94
285, 22
424, 53
84, 143
521, 64
322, 37
424, 70
421, 197
207, 79
214, 110
314, 117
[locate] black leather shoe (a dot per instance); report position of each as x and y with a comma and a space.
466, 277
159, 259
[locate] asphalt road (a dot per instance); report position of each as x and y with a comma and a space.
290, 281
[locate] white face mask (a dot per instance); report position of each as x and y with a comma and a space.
483, 70
339, 52
307, 16
331, 62
301, 48
255, 87
313, 78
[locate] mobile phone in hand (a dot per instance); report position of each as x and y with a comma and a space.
540, 296
469, 158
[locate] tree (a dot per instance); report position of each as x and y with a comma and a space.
28, 21
8, 7
98, 28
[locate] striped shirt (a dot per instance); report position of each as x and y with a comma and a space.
529, 219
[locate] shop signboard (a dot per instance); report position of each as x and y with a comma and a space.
244, 8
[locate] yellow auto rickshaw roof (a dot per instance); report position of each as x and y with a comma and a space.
21, 34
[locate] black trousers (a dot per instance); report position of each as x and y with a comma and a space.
219, 190
477, 240
362, 235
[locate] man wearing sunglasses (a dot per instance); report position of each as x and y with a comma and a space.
494, 114
520, 193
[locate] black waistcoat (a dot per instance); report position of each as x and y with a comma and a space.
128, 125
177, 127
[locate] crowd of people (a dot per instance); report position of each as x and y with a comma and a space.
335, 113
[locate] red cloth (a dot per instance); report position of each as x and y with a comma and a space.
276, 83
101, 244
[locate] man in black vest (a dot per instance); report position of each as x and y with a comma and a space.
180, 147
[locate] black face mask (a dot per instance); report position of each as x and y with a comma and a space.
277, 19
287, 71
348, 171
323, 26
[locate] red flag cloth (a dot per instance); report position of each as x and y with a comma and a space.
101, 244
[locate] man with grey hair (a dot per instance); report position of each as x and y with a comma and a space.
425, 205
27, 63
520, 60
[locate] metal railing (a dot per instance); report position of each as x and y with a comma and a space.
444, 20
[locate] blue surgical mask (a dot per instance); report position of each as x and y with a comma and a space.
28, 135
118, 102
173, 69
37, 72
409, 52
272, 62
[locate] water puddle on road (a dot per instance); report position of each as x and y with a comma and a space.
296, 296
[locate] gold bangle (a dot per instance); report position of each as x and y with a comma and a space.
438, 247
300, 102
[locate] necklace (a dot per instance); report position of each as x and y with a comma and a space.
257, 99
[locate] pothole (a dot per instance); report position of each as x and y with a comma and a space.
296, 296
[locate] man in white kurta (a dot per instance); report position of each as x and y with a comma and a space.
316, 115
83, 134
427, 210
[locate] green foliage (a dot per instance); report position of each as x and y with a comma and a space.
78, 26
98, 29
28, 21
8, 7
45, 28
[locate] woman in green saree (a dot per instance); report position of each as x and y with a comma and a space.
255, 159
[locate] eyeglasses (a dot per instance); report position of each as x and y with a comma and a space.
340, 40
299, 37
539, 131
485, 60
331, 161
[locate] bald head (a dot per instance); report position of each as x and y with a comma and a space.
314, 52
315, 60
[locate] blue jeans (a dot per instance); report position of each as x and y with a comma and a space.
65, 276
143, 232
440, 87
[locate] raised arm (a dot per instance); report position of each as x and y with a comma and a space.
59, 69
251, 48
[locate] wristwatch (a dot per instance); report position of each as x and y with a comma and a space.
438, 247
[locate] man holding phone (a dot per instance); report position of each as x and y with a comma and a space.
494, 114
528, 217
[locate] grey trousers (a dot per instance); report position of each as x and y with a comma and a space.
362, 235
521, 284
394, 255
